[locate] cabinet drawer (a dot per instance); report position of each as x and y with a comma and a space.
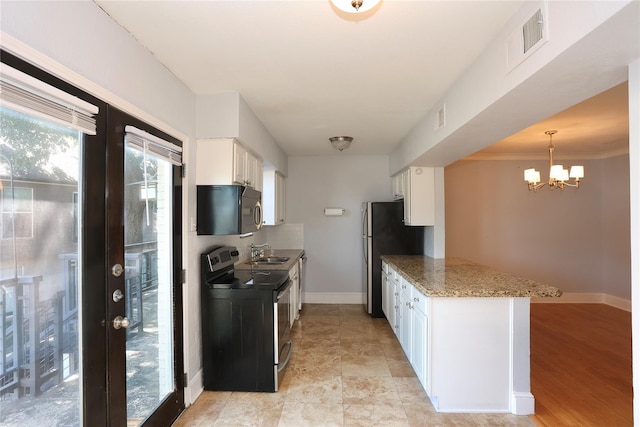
419, 300
405, 288
385, 268
393, 275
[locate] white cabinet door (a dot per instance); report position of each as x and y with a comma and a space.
385, 293
419, 200
273, 198
253, 171
239, 164
392, 302
396, 185
294, 277
405, 318
280, 199
419, 334
416, 186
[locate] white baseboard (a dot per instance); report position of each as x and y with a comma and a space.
522, 403
333, 298
194, 389
588, 298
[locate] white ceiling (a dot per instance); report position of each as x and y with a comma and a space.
597, 127
310, 72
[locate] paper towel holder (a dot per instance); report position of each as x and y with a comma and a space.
334, 211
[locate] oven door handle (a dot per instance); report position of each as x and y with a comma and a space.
283, 365
283, 290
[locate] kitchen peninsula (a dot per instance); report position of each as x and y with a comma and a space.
465, 329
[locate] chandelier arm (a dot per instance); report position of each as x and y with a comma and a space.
536, 187
576, 185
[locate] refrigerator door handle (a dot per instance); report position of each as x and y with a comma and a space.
364, 249
365, 230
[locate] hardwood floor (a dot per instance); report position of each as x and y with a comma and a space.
581, 365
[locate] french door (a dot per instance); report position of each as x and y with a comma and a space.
90, 262
144, 265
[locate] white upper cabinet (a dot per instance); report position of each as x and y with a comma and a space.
226, 161
397, 186
416, 185
273, 198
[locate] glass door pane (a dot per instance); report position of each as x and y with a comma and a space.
40, 272
148, 234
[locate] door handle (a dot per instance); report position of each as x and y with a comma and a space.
120, 322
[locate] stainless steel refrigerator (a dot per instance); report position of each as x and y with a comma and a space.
384, 233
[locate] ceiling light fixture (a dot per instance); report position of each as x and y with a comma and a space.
341, 142
355, 6
557, 174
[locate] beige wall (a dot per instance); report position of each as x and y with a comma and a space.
575, 240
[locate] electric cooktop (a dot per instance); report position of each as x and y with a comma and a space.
217, 269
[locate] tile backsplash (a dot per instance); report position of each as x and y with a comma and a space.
285, 236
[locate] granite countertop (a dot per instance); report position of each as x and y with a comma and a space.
293, 254
457, 277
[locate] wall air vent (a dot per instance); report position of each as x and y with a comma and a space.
532, 33
532, 30
441, 119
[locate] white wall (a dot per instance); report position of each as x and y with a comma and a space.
333, 245
576, 240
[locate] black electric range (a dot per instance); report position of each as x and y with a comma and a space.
245, 324
218, 273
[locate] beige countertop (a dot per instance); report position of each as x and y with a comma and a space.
293, 254
457, 277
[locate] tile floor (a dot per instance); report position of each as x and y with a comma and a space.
347, 369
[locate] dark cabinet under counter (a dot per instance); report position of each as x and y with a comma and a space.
238, 340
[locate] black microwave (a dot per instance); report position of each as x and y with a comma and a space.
228, 209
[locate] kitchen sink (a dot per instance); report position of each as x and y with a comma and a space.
271, 260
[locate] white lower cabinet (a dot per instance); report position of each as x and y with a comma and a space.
394, 301
469, 354
385, 292
412, 326
404, 327
295, 296
419, 338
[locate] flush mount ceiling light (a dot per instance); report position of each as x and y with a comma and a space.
341, 142
557, 174
355, 6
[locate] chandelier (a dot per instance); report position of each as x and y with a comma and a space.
354, 6
558, 176
341, 142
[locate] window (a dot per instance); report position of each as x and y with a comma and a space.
17, 213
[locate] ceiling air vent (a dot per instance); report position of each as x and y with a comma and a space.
532, 33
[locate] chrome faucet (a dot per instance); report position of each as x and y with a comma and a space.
257, 251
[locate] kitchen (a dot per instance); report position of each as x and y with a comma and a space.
310, 186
